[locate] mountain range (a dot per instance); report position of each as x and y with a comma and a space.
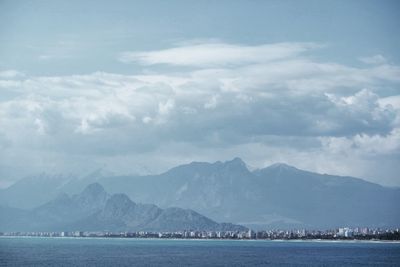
95, 210
278, 196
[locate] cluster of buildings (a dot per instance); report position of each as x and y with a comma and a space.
340, 233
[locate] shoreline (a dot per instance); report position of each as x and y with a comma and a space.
355, 241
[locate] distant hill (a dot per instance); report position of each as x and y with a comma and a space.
95, 210
277, 196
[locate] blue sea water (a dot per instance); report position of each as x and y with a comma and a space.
31, 251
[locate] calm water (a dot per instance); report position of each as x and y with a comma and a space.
147, 252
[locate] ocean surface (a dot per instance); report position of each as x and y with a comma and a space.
31, 251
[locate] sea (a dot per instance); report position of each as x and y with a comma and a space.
38, 251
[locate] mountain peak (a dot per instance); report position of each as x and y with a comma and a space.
236, 162
120, 200
117, 206
280, 165
237, 165
276, 169
93, 197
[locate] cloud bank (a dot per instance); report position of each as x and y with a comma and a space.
264, 103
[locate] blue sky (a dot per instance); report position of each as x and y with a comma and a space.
88, 36
141, 86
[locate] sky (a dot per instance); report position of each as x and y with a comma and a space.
138, 87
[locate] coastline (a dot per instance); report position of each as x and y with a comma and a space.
355, 241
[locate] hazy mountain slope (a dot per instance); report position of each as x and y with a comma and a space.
33, 191
325, 200
218, 189
276, 196
94, 210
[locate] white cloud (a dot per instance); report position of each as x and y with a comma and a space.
212, 103
376, 60
393, 101
11, 74
147, 119
364, 145
217, 54
363, 101
164, 108
41, 126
